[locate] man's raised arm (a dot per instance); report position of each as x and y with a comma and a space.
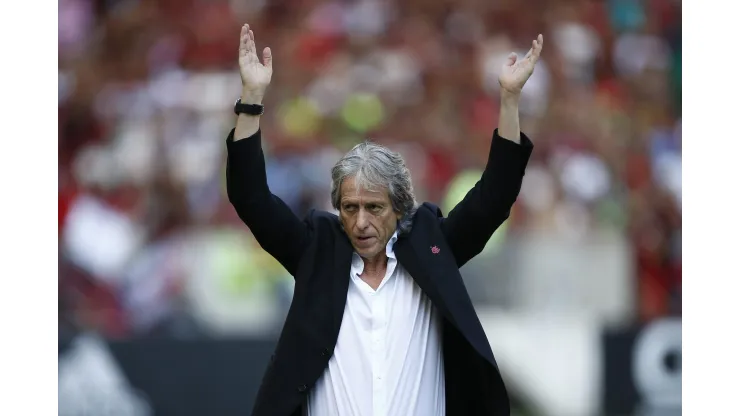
272, 222
469, 226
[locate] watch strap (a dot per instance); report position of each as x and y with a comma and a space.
250, 109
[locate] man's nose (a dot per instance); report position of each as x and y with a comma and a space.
363, 219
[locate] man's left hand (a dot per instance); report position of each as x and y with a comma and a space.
516, 72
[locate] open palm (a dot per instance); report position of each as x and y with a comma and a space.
255, 75
516, 72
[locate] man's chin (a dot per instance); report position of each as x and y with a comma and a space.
367, 252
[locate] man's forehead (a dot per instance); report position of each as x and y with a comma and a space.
362, 193
351, 191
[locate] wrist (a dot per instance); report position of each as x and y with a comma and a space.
252, 96
510, 99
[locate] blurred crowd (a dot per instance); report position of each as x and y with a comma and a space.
148, 242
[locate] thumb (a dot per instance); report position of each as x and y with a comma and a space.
511, 59
267, 57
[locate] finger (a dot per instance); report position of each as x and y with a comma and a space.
536, 48
511, 59
253, 47
531, 50
267, 58
247, 44
243, 41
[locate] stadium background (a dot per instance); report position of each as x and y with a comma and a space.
167, 306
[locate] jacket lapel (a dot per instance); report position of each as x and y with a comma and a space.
428, 259
414, 262
342, 264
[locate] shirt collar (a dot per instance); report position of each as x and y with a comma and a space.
389, 247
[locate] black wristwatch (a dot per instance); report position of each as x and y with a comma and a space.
251, 109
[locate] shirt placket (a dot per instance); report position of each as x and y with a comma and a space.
379, 342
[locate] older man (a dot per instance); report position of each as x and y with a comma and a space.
380, 323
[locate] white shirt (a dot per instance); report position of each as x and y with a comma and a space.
388, 357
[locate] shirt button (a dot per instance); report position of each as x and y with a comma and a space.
302, 388
325, 352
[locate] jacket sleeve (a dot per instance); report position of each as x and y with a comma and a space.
274, 225
472, 222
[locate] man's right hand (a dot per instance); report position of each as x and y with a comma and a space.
255, 76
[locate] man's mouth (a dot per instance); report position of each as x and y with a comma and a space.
365, 241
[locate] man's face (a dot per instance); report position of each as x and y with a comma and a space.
368, 218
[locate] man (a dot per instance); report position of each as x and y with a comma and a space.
380, 323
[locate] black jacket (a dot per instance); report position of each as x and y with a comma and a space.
318, 254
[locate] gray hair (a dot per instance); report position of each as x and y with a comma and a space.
376, 167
